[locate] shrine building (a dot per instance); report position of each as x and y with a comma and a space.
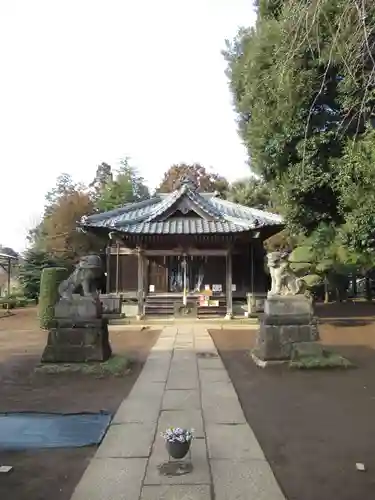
184, 252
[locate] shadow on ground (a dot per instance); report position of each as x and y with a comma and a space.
45, 474
346, 313
313, 425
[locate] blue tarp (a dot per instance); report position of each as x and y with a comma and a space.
24, 431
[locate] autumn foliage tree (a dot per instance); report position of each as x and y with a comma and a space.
205, 180
61, 238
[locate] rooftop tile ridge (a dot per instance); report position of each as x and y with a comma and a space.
127, 207
255, 211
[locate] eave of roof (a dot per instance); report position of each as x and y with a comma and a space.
219, 216
6, 256
183, 226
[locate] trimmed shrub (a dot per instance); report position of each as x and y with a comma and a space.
13, 302
48, 296
7, 303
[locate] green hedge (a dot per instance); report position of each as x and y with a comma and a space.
48, 296
13, 302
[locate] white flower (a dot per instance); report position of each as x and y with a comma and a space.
177, 434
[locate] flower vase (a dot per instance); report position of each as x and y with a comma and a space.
177, 450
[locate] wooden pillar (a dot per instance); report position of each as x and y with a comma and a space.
229, 291
252, 302
9, 273
141, 282
117, 267
108, 270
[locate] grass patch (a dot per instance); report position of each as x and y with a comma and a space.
116, 366
327, 360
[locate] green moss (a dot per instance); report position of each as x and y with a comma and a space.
48, 296
116, 366
325, 361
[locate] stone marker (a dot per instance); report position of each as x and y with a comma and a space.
5, 469
361, 467
79, 332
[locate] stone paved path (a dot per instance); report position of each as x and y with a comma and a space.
178, 387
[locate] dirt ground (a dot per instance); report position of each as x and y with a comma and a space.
46, 474
313, 426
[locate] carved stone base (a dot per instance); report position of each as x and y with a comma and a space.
78, 344
78, 308
263, 364
287, 321
79, 333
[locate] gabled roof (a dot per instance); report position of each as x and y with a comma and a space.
7, 256
170, 214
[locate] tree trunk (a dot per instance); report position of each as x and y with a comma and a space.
326, 291
354, 285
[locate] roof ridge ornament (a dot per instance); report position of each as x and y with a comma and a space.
189, 182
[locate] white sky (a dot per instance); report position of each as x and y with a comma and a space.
86, 81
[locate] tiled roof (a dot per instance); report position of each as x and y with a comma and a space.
181, 225
216, 216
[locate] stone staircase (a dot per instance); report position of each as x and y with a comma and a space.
166, 306
161, 305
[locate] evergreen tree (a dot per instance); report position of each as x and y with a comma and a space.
31, 267
126, 187
303, 85
251, 192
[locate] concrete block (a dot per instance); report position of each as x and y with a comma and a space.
223, 413
213, 376
249, 479
185, 399
176, 492
233, 442
183, 380
138, 411
111, 479
210, 364
127, 441
154, 374
145, 390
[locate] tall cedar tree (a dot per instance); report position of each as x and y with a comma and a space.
303, 85
114, 191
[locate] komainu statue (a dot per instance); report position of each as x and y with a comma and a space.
79, 332
284, 280
85, 277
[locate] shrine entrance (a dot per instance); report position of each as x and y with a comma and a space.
185, 273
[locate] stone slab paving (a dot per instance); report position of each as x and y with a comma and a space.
177, 387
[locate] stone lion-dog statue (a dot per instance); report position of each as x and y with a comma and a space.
85, 277
283, 280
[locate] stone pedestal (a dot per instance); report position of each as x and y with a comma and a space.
287, 320
79, 333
